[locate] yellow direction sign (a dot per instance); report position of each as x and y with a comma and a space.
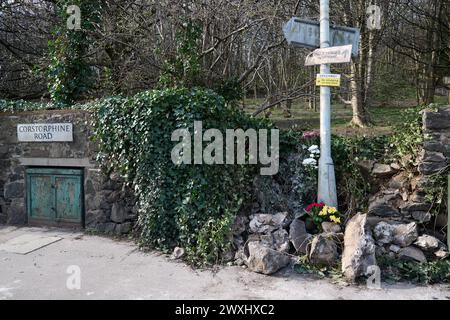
328, 80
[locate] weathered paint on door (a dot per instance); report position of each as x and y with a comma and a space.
41, 199
55, 196
68, 198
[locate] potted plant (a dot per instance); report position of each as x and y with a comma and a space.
318, 213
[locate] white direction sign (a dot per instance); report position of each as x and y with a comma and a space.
306, 33
330, 55
45, 132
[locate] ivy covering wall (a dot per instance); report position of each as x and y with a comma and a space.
69, 74
192, 206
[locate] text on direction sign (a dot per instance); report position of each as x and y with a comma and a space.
45, 132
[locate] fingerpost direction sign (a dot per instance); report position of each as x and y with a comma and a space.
305, 33
330, 55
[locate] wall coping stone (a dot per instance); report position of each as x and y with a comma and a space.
57, 162
38, 112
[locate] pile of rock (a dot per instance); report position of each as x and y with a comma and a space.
367, 238
266, 243
398, 194
266, 247
402, 241
398, 207
394, 225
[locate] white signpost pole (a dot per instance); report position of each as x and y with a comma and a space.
327, 181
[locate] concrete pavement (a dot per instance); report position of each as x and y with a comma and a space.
105, 268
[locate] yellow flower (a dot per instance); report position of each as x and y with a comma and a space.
335, 219
332, 210
324, 211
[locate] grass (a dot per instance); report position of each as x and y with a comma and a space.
384, 117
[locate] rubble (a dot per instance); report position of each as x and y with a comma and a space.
384, 233
428, 243
324, 251
263, 223
178, 253
383, 170
262, 259
412, 254
405, 234
331, 227
298, 236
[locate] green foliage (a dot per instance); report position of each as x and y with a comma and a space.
192, 206
393, 86
407, 140
22, 105
183, 69
303, 266
230, 89
214, 238
424, 273
303, 178
360, 148
436, 191
69, 75
289, 141
353, 188
405, 145
319, 213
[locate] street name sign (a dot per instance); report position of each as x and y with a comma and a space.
45, 132
306, 33
330, 55
328, 80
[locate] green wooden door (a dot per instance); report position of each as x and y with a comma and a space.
41, 199
54, 196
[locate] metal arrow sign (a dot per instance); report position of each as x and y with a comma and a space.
306, 33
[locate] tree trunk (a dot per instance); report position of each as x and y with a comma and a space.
359, 118
288, 110
369, 72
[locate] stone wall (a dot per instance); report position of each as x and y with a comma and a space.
435, 156
436, 153
401, 195
399, 213
108, 206
398, 224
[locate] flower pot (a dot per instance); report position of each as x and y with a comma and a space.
311, 226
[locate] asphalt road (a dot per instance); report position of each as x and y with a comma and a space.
82, 266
